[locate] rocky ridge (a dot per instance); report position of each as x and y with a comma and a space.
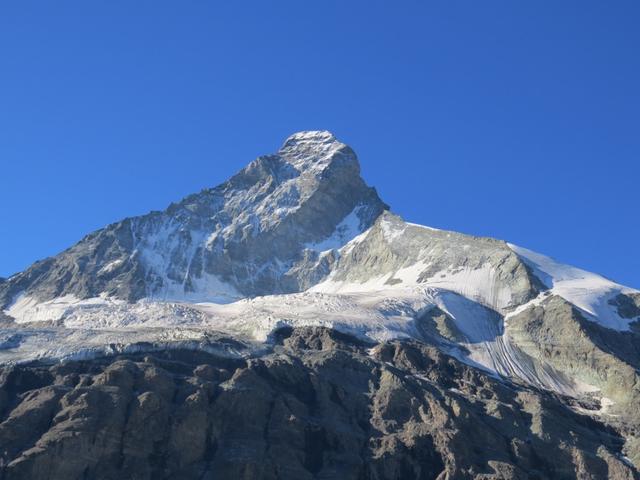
320, 405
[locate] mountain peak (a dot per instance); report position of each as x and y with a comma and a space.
315, 150
247, 236
310, 136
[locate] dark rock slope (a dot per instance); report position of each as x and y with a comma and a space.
319, 404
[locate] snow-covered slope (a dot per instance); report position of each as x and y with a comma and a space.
297, 238
591, 293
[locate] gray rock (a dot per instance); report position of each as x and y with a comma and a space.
319, 405
558, 334
250, 232
393, 244
256, 233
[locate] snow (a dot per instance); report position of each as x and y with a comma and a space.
425, 227
343, 287
310, 151
474, 273
157, 251
392, 230
110, 267
83, 344
345, 231
377, 308
28, 309
207, 288
354, 242
114, 314
476, 284
374, 316
92, 327
588, 291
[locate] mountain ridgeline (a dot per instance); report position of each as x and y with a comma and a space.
337, 339
249, 232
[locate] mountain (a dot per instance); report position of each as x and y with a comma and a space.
245, 237
297, 246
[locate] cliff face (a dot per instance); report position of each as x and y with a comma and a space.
251, 235
319, 404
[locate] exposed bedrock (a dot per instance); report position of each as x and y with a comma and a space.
249, 233
558, 334
320, 405
393, 248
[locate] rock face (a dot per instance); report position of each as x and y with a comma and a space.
247, 236
320, 405
401, 253
556, 332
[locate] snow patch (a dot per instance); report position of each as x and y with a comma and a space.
374, 316
588, 291
391, 230
29, 309
345, 231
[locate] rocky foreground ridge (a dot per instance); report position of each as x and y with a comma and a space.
319, 404
287, 324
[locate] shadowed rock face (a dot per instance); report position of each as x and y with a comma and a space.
628, 305
320, 405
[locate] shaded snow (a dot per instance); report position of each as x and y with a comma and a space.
348, 229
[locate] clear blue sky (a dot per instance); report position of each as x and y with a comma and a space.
513, 119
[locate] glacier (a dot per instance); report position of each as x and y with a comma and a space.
298, 239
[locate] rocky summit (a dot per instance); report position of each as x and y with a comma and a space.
286, 324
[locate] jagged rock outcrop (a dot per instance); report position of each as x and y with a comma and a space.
320, 405
247, 236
